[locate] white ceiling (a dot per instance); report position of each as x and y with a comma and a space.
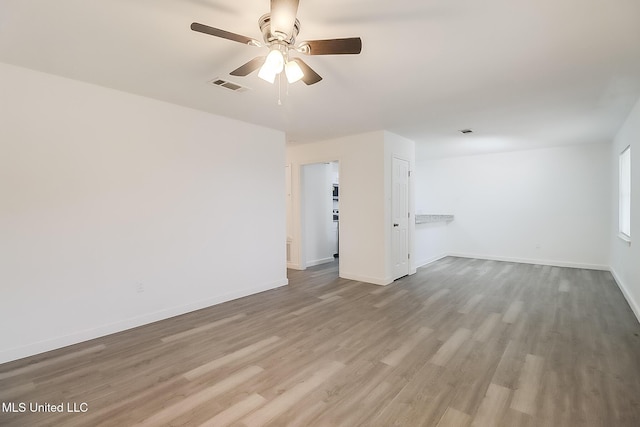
520, 73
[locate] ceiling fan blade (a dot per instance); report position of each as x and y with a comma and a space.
249, 67
283, 18
348, 46
201, 28
310, 77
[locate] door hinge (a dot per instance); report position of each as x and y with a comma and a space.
409, 256
408, 214
409, 174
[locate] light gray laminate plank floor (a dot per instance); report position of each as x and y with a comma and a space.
463, 342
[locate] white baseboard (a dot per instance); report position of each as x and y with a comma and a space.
534, 261
101, 331
294, 266
319, 261
422, 263
635, 307
372, 280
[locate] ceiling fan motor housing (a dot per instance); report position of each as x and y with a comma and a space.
265, 26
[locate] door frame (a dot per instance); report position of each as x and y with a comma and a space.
298, 261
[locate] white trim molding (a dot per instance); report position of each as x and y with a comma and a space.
319, 261
294, 266
134, 322
428, 261
372, 280
535, 261
635, 307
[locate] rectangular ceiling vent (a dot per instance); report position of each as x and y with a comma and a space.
229, 85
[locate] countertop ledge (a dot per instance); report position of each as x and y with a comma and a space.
424, 219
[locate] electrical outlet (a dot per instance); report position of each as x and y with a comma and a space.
139, 288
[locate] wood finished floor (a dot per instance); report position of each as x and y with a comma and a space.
461, 343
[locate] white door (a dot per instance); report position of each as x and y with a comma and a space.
400, 217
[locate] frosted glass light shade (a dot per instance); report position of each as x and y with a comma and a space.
272, 66
293, 72
275, 61
266, 74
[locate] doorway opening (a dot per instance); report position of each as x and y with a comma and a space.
320, 214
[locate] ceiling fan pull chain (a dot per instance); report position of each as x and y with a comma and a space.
279, 88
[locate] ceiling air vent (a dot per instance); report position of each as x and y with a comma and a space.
229, 85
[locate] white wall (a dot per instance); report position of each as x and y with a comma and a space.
104, 194
547, 206
365, 199
625, 257
362, 251
431, 242
316, 216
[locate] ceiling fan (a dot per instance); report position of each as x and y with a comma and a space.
279, 29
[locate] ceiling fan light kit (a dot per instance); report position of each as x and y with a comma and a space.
273, 65
293, 72
279, 30
267, 75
